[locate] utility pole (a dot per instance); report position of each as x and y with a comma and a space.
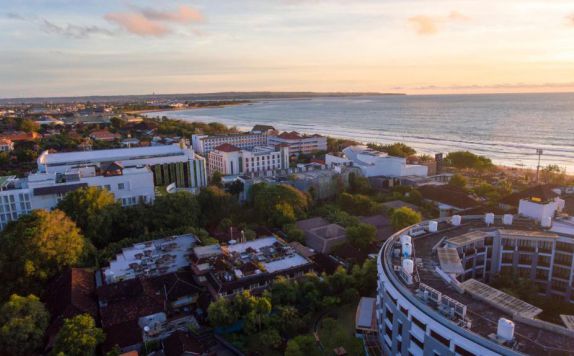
539, 152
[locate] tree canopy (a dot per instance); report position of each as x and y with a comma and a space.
397, 149
23, 321
92, 209
174, 210
466, 159
279, 204
361, 235
403, 217
458, 181
79, 336
37, 247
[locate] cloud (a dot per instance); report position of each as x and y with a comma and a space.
15, 16
570, 20
424, 25
137, 24
151, 22
73, 31
429, 25
184, 14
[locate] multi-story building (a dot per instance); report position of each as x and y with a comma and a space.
169, 164
231, 160
375, 164
249, 265
299, 143
433, 295
45, 190
150, 259
203, 144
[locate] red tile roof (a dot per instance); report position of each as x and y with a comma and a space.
20, 136
293, 135
226, 147
70, 294
104, 135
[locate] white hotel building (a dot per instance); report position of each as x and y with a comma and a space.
231, 160
131, 174
203, 144
434, 297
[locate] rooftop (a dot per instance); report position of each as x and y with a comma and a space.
226, 147
118, 154
476, 302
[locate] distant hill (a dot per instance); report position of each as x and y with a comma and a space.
186, 97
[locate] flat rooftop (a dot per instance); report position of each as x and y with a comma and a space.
117, 154
480, 309
469, 237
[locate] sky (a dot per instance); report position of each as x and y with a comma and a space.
109, 47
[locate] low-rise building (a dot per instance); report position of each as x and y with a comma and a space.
299, 143
374, 163
150, 258
231, 160
203, 144
250, 265
16, 136
6, 145
104, 135
321, 235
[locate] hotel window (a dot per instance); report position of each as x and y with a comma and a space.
418, 323
121, 186
461, 351
438, 337
417, 342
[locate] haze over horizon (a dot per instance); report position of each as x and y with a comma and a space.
71, 48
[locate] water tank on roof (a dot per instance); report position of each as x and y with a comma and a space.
505, 329
405, 238
489, 218
407, 249
546, 221
456, 220
507, 219
408, 266
433, 226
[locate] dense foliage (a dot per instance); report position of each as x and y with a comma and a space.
79, 336
23, 321
466, 159
397, 149
403, 217
37, 247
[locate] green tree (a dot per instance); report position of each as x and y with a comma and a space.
294, 233
93, 210
175, 210
78, 336
261, 308
37, 247
283, 291
361, 235
358, 204
359, 184
397, 149
288, 320
28, 125
216, 179
216, 205
270, 338
302, 345
278, 204
403, 217
458, 181
221, 313
23, 321
466, 159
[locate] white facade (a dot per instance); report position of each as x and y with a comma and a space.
203, 144
541, 212
45, 190
373, 163
299, 143
229, 161
163, 161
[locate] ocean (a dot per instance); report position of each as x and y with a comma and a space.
508, 128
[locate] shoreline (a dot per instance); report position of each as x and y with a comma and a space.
501, 158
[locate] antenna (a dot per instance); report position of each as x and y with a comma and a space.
539, 152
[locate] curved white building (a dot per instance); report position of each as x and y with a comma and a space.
444, 305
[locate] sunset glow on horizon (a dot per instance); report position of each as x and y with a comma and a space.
66, 47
